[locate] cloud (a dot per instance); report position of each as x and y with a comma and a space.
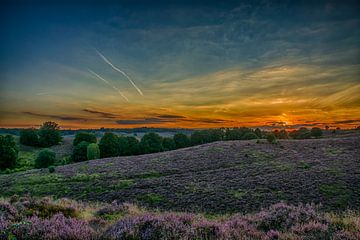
144, 121
172, 116
101, 114
58, 117
347, 121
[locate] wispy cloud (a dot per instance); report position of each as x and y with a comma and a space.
58, 117
101, 113
108, 83
120, 71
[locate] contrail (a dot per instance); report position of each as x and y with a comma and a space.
105, 81
119, 70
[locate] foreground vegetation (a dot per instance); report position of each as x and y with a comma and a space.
30, 218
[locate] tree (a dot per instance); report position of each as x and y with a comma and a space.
84, 136
80, 152
250, 136
258, 132
93, 151
133, 146
45, 158
316, 132
49, 134
180, 140
302, 133
283, 134
109, 145
29, 137
8, 152
168, 144
151, 143
271, 138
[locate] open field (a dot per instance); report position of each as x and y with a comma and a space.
220, 177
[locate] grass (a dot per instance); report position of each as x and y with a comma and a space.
151, 198
238, 193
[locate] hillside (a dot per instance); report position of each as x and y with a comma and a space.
232, 176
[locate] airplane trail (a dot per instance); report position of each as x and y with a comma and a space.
105, 81
120, 71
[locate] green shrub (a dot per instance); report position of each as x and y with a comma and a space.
84, 137
45, 158
316, 132
271, 138
181, 140
49, 134
132, 146
109, 145
151, 143
51, 169
168, 144
80, 152
302, 133
249, 136
258, 132
93, 151
29, 137
8, 152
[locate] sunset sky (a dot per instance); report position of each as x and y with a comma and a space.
245, 63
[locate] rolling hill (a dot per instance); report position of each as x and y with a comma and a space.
220, 177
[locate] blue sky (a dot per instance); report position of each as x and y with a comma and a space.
205, 62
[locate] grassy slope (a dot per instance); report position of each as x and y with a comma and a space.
233, 176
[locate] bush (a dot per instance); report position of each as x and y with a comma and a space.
258, 132
283, 134
316, 132
93, 151
168, 144
51, 169
8, 152
49, 134
271, 138
181, 140
80, 152
29, 137
249, 136
132, 146
84, 137
151, 143
109, 145
45, 158
302, 133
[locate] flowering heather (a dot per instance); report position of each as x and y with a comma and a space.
114, 221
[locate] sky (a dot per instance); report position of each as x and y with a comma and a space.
181, 64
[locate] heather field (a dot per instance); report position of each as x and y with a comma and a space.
45, 219
217, 178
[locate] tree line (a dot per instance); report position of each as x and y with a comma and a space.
87, 146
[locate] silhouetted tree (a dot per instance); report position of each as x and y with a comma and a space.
49, 134
80, 152
45, 158
8, 152
316, 132
151, 143
29, 137
84, 136
109, 145
271, 138
168, 144
283, 134
258, 132
181, 140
